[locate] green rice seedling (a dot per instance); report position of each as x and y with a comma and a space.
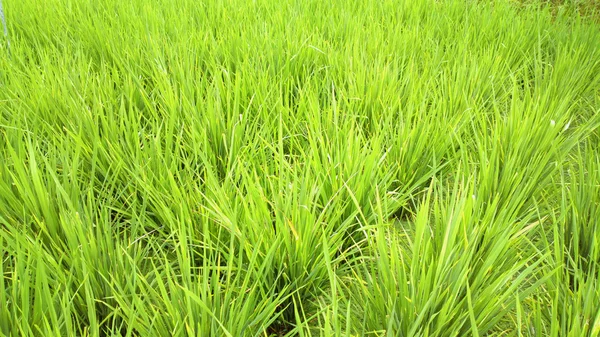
569, 306
436, 280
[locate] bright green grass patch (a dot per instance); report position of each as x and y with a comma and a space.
299, 168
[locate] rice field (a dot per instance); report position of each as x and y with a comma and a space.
299, 168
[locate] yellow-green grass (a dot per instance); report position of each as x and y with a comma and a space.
299, 168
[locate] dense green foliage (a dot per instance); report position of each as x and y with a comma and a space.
299, 168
